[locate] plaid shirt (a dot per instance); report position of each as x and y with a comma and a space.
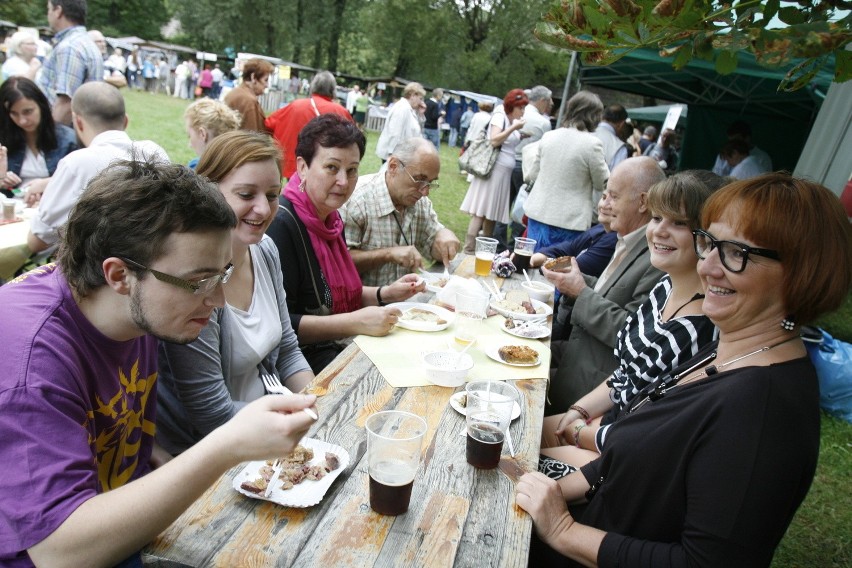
75, 60
371, 223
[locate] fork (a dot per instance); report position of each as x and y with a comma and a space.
274, 386
276, 471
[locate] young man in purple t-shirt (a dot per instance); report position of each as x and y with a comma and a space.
142, 257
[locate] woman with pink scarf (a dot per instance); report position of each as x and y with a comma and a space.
325, 297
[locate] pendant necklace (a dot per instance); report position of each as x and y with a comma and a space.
664, 386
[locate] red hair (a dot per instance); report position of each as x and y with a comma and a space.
806, 224
514, 99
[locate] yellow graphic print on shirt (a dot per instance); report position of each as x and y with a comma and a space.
124, 415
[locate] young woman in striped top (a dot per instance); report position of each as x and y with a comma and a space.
665, 331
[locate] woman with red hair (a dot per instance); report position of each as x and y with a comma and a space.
487, 199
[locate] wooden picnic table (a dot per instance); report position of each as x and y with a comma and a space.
458, 516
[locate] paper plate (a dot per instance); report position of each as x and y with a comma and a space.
445, 315
542, 311
306, 493
493, 353
526, 330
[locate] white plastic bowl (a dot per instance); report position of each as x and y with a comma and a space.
540, 291
447, 368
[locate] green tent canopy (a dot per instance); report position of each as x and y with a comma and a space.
780, 121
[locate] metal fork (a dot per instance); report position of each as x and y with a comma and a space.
276, 471
273, 385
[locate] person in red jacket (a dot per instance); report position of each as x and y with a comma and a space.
286, 123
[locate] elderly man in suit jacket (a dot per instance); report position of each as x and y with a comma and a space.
597, 308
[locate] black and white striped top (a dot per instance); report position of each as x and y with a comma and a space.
648, 347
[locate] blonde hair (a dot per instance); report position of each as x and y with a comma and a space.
215, 117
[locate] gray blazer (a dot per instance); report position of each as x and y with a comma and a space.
587, 357
194, 385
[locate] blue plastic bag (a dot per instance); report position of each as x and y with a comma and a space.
833, 361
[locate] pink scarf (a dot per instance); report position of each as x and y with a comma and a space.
330, 247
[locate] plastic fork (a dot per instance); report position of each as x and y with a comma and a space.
274, 386
276, 471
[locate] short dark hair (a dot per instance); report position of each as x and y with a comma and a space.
100, 104
11, 91
682, 196
329, 131
73, 10
806, 224
615, 113
734, 146
129, 210
256, 68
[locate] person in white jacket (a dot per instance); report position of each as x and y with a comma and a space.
402, 122
571, 168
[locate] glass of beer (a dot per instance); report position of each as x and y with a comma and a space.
486, 248
470, 311
524, 249
489, 411
394, 441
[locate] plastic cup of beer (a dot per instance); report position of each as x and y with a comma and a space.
486, 248
524, 249
489, 411
470, 311
394, 441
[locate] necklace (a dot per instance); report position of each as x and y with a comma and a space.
697, 296
666, 385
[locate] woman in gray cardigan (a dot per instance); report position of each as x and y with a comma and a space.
204, 383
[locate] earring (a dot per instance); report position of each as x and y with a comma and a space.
788, 323
302, 186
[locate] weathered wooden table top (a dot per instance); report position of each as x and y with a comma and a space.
459, 516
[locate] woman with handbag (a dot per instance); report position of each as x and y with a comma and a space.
487, 199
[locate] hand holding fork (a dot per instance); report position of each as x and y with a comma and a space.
273, 385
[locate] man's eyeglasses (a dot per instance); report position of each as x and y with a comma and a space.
203, 286
421, 184
732, 254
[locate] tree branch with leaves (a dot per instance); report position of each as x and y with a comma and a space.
603, 31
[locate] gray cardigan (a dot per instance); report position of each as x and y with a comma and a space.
194, 388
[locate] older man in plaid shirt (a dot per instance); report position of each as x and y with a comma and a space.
75, 58
391, 225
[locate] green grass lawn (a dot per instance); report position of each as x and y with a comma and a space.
820, 534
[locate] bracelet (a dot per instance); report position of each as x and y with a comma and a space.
577, 434
379, 295
583, 412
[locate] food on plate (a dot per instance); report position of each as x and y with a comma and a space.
561, 263
525, 328
440, 282
518, 354
462, 400
518, 301
294, 470
421, 315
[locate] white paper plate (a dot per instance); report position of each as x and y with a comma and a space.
542, 311
305, 494
528, 332
455, 402
493, 353
446, 315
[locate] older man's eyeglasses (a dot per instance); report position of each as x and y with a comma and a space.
202, 286
733, 255
420, 184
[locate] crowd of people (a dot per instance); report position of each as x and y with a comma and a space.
134, 360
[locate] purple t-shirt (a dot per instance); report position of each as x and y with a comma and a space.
76, 410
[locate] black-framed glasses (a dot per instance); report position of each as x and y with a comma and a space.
734, 255
203, 286
421, 184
